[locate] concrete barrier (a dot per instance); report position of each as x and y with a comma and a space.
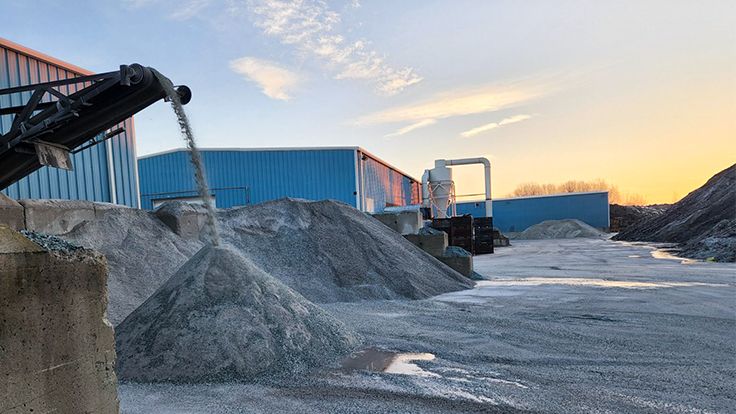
403, 222
433, 243
185, 219
56, 216
11, 213
56, 349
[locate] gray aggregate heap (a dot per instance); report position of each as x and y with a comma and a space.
559, 229
142, 253
221, 318
331, 252
50, 242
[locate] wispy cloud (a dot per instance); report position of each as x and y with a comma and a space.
405, 130
459, 103
275, 81
188, 9
312, 28
493, 125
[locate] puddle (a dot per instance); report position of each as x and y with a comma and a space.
574, 281
666, 255
378, 360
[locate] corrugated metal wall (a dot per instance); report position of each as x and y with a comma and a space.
239, 177
385, 186
90, 179
517, 214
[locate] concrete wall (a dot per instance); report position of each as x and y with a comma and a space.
56, 349
50, 216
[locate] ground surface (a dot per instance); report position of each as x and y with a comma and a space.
564, 326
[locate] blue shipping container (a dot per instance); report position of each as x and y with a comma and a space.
517, 214
104, 172
243, 176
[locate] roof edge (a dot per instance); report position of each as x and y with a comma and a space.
43, 57
536, 196
240, 149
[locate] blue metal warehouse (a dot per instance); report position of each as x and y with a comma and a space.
104, 172
249, 176
516, 214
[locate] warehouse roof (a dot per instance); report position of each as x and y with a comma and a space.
351, 148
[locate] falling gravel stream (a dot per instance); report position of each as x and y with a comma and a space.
196, 158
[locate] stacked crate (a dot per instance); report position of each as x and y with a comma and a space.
483, 228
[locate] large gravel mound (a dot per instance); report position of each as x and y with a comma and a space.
142, 253
622, 217
693, 217
331, 252
559, 229
718, 243
221, 318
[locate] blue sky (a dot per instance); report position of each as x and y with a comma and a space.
549, 90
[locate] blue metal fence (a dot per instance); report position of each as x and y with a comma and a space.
517, 214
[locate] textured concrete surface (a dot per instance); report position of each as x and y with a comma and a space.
404, 222
434, 243
56, 216
563, 326
184, 219
56, 348
11, 213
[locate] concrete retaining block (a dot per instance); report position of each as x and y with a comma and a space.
434, 244
404, 222
462, 265
11, 213
56, 216
57, 349
185, 219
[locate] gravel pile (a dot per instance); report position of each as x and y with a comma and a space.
559, 229
331, 252
718, 243
326, 250
142, 253
691, 220
622, 217
221, 318
51, 243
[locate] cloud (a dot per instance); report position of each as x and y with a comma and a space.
312, 28
493, 125
405, 130
275, 81
187, 9
458, 103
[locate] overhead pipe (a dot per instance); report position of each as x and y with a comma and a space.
487, 168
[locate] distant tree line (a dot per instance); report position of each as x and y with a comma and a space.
574, 186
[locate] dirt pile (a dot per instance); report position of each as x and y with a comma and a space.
142, 253
221, 318
693, 218
331, 252
558, 229
718, 243
624, 216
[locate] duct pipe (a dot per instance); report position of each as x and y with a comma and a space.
487, 167
425, 189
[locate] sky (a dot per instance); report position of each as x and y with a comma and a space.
641, 94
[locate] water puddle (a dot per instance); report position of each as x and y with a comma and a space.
574, 281
666, 255
378, 360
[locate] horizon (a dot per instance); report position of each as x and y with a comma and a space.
638, 95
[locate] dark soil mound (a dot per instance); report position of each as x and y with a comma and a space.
221, 318
692, 216
622, 217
